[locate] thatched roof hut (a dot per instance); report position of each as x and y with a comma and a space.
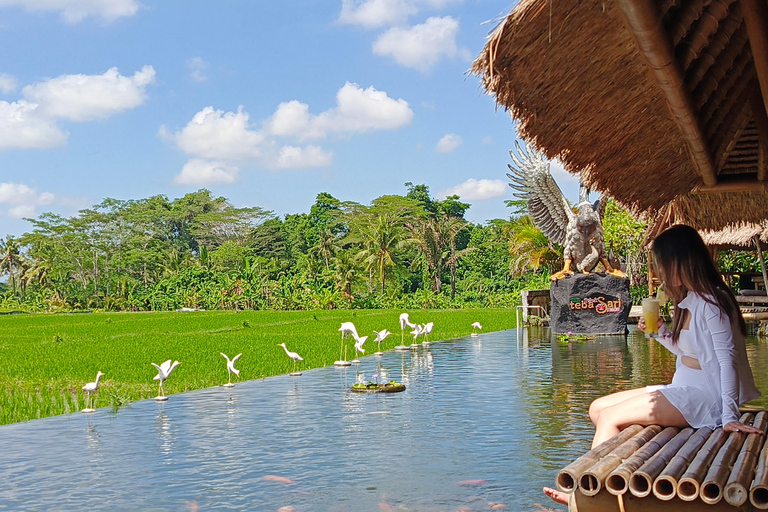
655, 102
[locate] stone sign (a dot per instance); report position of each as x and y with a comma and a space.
590, 304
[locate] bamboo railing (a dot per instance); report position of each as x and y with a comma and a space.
701, 467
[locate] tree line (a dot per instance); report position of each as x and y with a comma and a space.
199, 251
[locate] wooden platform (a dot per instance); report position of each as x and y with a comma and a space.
672, 469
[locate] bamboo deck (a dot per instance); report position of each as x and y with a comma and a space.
672, 469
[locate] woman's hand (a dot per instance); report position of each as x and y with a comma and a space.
735, 426
641, 324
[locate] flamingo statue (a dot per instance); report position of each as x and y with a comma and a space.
163, 372
476, 327
417, 331
405, 321
89, 389
231, 368
347, 329
293, 355
359, 341
380, 336
427, 329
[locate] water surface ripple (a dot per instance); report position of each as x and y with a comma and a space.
484, 421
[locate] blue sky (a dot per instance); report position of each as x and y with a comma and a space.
265, 103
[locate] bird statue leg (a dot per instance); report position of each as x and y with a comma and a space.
612, 271
563, 273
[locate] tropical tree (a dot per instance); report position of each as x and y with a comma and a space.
11, 260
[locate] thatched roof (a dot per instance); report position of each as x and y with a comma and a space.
736, 236
654, 103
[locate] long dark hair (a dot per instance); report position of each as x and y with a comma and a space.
680, 253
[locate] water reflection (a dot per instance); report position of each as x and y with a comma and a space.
484, 421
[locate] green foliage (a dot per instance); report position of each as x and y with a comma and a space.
41, 377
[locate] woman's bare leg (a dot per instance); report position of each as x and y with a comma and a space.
609, 400
639, 409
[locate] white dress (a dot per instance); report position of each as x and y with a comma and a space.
689, 392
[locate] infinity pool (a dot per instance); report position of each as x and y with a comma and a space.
484, 423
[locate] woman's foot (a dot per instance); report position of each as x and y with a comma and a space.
557, 496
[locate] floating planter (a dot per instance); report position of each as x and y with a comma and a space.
372, 387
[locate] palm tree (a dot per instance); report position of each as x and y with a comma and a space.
530, 248
345, 272
435, 236
11, 260
379, 236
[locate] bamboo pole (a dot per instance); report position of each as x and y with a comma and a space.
737, 488
618, 480
665, 485
712, 489
591, 481
643, 23
759, 248
758, 494
568, 478
689, 485
641, 482
756, 20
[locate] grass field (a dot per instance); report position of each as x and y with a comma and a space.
45, 359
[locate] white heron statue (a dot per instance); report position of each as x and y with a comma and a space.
89, 389
380, 336
427, 329
476, 327
163, 372
359, 341
296, 358
417, 331
231, 368
347, 329
405, 321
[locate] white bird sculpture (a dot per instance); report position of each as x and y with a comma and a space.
347, 329
417, 331
293, 355
476, 327
580, 233
231, 368
90, 388
163, 372
427, 329
359, 346
381, 336
405, 321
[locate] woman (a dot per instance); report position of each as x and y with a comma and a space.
712, 375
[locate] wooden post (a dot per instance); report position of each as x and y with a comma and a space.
759, 247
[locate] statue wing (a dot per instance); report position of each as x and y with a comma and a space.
547, 206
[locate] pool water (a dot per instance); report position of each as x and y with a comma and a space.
484, 423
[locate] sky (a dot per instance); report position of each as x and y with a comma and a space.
265, 103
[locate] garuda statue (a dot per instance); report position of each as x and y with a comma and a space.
580, 232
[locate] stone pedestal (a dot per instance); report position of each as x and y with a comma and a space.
590, 304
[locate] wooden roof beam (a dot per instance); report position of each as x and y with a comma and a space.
734, 185
756, 20
643, 22
761, 124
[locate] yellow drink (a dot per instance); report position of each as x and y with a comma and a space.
651, 315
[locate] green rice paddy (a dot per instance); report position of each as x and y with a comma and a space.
45, 359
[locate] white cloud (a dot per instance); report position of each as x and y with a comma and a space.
421, 47
204, 172
7, 83
88, 97
220, 142
477, 190
381, 13
22, 199
449, 143
218, 135
357, 110
22, 127
197, 68
32, 122
74, 11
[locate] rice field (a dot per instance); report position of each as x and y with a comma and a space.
45, 359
